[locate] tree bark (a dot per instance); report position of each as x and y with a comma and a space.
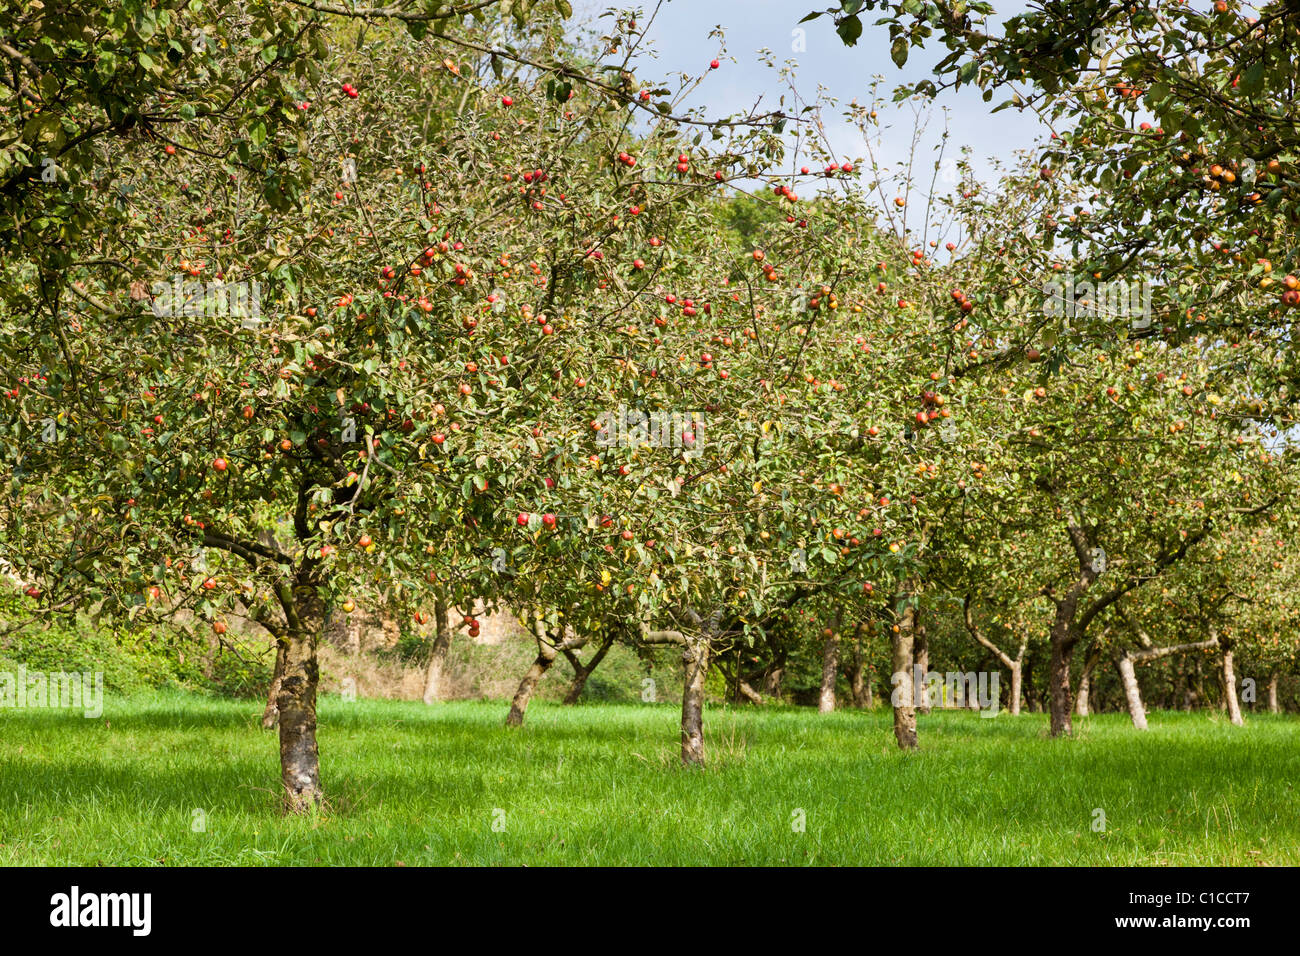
1132, 690
1085, 680
830, 668
921, 658
695, 659
1030, 688
859, 687
1230, 687
1196, 686
1273, 707
271, 715
546, 653
296, 700
1013, 695
1058, 681
903, 699
581, 672
433, 689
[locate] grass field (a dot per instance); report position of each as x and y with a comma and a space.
600, 784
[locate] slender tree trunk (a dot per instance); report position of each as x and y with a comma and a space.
546, 654
433, 689
903, 697
695, 659
1132, 690
830, 669
1031, 689
1013, 695
1273, 708
296, 700
921, 654
1085, 680
858, 685
271, 715
1230, 687
1014, 664
748, 693
581, 672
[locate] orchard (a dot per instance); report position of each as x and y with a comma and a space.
313, 314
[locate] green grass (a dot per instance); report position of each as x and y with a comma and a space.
600, 784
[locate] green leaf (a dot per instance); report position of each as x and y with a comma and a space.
849, 29
898, 52
1253, 79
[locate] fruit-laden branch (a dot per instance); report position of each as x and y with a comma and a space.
250, 551
1135, 580
773, 118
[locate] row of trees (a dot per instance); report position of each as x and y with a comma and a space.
309, 307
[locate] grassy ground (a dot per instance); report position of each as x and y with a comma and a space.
600, 784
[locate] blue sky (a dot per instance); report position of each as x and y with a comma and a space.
680, 37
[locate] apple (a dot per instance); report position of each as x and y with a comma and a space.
219, 464
548, 520
219, 627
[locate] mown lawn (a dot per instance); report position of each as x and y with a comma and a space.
419, 785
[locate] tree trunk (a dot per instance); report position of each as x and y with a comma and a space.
858, 685
902, 679
830, 669
1272, 695
695, 659
1230, 687
1065, 634
1059, 681
1085, 680
1014, 694
748, 693
271, 715
921, 656
1031, 689
296, 700
1132, 690
772, 683
546, 653
581, 672
433, 689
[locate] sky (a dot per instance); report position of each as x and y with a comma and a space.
680, 36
